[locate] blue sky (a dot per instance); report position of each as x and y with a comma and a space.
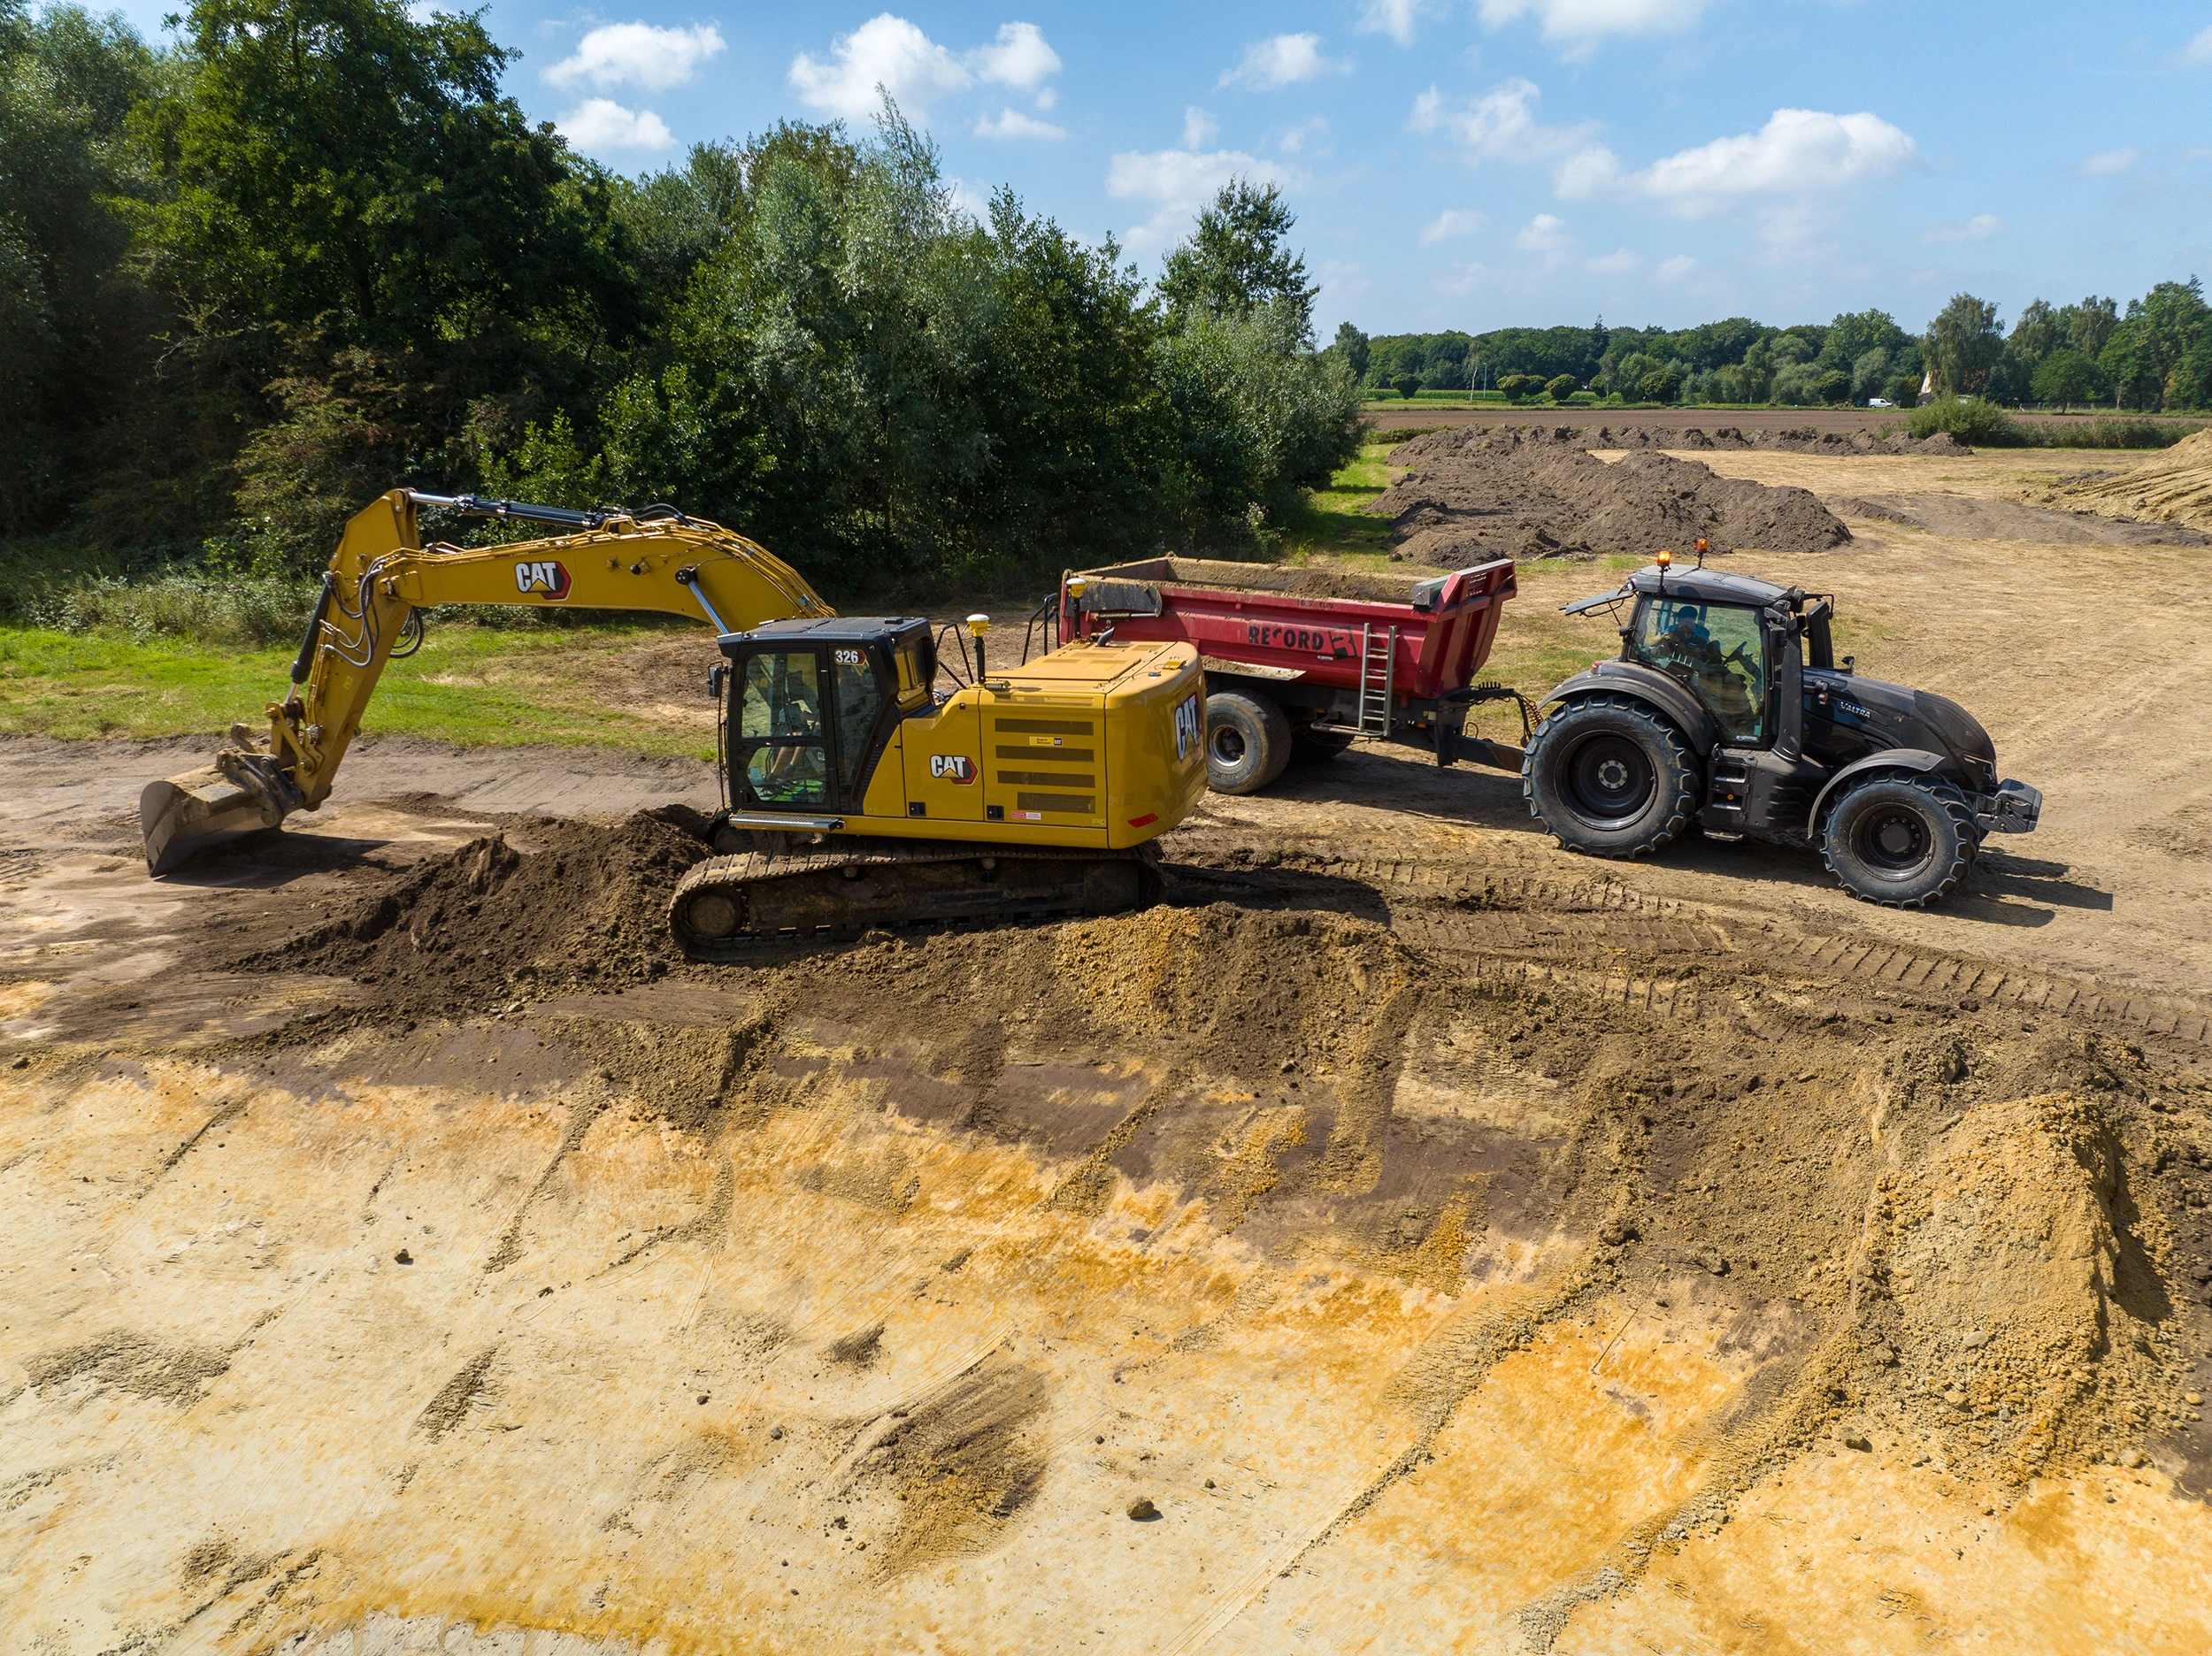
1472, 164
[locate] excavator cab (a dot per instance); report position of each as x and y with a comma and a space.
809, 708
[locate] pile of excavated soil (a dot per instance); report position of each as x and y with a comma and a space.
1534, 494
1971, 518
2175, 487
1800, 439
585, 906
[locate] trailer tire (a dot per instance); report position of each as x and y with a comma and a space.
1247, 743
1610, 776
1317, 746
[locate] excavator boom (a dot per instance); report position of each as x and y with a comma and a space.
653, 559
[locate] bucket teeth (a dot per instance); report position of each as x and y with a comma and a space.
181, 816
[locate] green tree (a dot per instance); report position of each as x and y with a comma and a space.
1962, 345
1351, 345
2065, 376
1833, 387
1518, 386
1235, 260
1659, 385
1851, 335
1562, 388
1406, 386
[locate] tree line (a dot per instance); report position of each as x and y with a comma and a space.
2157, 354
309, 251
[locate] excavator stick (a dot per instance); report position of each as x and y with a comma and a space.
181, 816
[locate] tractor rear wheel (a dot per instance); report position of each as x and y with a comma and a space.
1902, 841
1609, 776
1247, 743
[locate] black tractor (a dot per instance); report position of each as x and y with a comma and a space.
1727, 711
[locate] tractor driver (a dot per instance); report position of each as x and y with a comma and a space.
1724, 680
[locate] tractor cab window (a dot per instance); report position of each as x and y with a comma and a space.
780, 734
860, 698
1717, 651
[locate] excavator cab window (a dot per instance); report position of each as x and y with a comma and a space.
783, 744
860, 704
1717, 651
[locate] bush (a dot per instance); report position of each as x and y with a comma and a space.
249, 609
1518, 386
1834, 387
1659, 385
2111, 433
1969, 419
1405, 386
1562, 388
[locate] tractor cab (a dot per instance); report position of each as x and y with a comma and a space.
809, 706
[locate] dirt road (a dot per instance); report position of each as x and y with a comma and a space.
1456, 1244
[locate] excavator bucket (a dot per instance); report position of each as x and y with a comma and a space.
181, 816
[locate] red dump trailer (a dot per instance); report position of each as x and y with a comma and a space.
1300, 662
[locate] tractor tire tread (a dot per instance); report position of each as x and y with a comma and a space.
1681, 812
1954, 805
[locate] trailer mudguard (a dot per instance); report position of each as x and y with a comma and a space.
1918, 760
1649, 684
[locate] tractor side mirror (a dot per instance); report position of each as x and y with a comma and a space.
718, 676
1849, 663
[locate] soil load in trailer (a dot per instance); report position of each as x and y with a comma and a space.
1300, 662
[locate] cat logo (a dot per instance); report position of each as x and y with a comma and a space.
952, 767
544, 576
1186, 726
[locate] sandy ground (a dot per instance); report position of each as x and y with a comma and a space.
1458, 1245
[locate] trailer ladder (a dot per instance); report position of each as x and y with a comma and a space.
1377, 679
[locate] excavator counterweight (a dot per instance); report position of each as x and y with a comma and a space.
856, 792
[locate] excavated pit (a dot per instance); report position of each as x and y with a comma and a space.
1926, 1222
1307, 1230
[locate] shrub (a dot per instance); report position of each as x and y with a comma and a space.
1834, 387
2111, 433
1969, 419
1562, 387
1518, 386
1405, 386
1659, 385
249, 609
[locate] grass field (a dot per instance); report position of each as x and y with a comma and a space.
468, 684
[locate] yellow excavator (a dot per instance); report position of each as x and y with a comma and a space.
855, 793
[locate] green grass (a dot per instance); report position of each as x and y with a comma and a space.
1331, 526
468, 684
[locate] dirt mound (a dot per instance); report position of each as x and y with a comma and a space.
1800, 439
1534, 493
2175, 487
1972, 519
583, 905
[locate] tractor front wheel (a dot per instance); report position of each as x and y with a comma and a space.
1902, 841
1609, 776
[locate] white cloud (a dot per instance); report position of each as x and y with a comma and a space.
1577, 27
1295, 139
1499, 125
2109, 161
1013, 124
1394, 17
1199, 128
1178, 182
1798, 153
1453, 221
1622, 262
1677, 269
2198, 51
1018, 58
599, 125
890, 53
1541, 234
1980, 228
637, 54
884, 54
1283, 60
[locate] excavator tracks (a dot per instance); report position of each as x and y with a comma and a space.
729, 904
